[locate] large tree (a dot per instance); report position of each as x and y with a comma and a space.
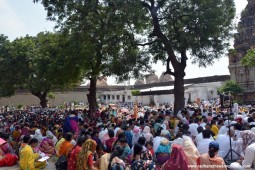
199, 28
101, 39
169, 29
39, 64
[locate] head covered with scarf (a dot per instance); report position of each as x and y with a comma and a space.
177, 160
89, 147
248, 138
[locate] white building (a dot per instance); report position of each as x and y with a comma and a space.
162, 94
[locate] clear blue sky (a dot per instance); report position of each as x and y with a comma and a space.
21, 17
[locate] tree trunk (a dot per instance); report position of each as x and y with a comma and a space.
179, 92
43, 101
43, 98
92, 95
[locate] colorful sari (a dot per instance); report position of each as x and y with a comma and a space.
59, 143
190, 151
86, 155
65, 148
177, 160
28, 159
16, 135
73, 158
7, 149
47, 146
71, 124
8, 160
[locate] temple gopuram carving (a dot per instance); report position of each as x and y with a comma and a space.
244, 40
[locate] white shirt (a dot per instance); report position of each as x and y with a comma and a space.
249, 157
223, 130
199, 137
203, 146
193, 129
223, 141
202, 124
224, 144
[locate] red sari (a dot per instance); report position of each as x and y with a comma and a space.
73, 158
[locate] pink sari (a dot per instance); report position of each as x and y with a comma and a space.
177, 160
47, 146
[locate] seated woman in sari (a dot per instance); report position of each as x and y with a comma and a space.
122, 141
211, 159
38, 135
72, 159
7, 158
177, 160
66, 147
85, 156
59, 143
47, 145
28, 159
163, 152
6, 147
16, 134
137, 162
190, 151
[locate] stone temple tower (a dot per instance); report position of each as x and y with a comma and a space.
244, 40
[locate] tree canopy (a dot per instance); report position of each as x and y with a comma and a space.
101, 39
249, 58
179, 28
230, 86
39, 64
108, 34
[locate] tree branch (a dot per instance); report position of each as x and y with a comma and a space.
148, 43
161, 3
146, 5
157, 31
152, 3
168, 70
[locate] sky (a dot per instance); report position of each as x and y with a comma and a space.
21, 17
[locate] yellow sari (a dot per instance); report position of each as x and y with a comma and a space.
28, 159
57, 147
215, 130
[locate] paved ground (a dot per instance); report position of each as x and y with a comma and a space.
50, 166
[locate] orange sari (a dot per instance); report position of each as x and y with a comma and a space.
65, 148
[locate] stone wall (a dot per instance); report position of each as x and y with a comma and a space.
29, 99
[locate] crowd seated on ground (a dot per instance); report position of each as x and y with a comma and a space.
138, 139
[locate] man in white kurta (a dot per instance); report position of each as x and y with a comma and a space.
203, 145
224, 143
193, 129
224, 128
